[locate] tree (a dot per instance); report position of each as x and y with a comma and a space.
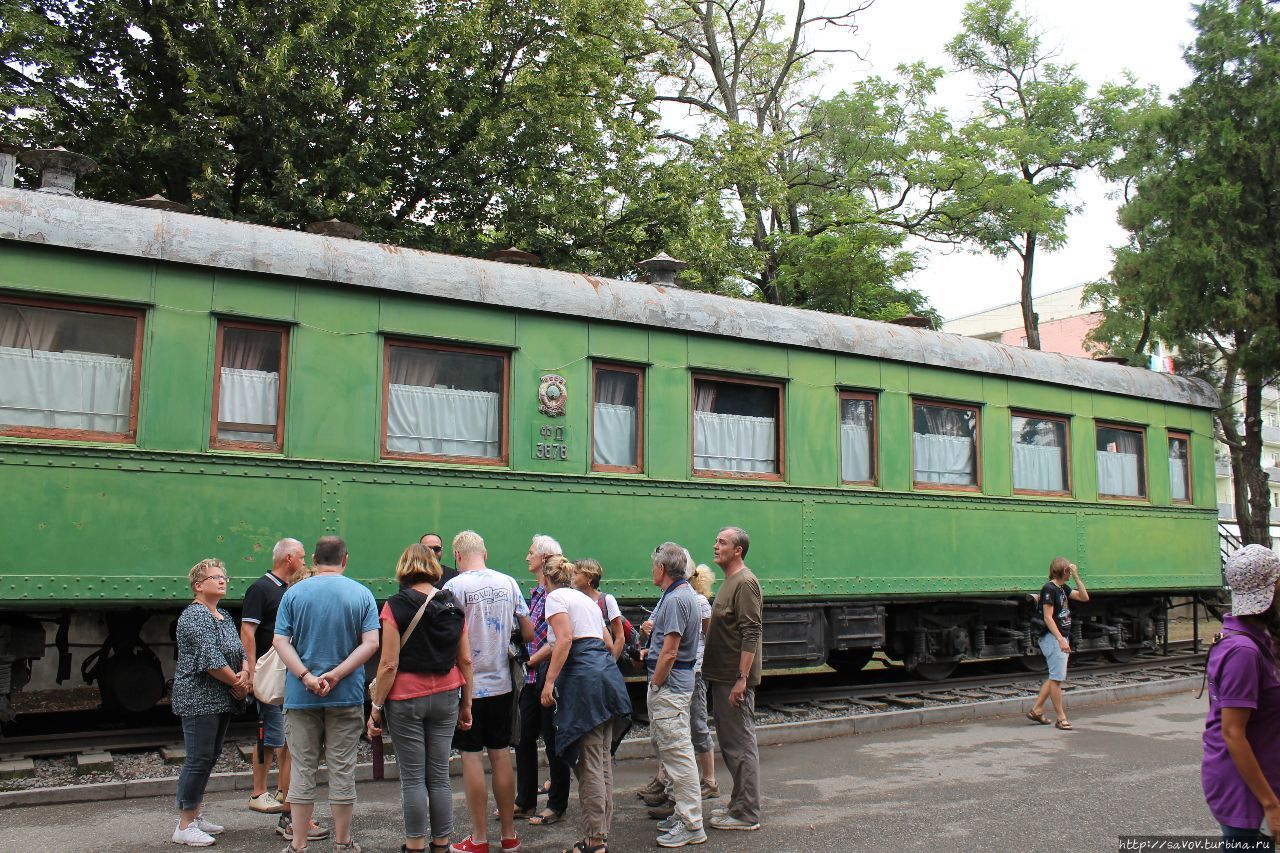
1037, 129
1202, 267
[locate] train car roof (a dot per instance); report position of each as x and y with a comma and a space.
77, 223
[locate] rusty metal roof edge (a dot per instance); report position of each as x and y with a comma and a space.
78, 223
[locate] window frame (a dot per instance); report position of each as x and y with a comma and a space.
139, 316
504, 431
874, 398
1146, 472
976, 408
1065, 420
276, 445
1184, 435
639, 372
780, 434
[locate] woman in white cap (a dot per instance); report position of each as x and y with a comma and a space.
1240, 771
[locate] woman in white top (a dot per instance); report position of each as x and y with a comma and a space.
590, 698
586, 579
703, 747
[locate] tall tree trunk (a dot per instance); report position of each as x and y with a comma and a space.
1253, 498
1029, 322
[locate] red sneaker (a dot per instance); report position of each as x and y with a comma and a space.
469, 845
511, 845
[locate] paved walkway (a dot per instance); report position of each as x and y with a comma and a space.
998, 785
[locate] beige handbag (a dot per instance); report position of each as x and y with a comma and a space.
268, 678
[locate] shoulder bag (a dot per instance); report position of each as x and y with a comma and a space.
268, 678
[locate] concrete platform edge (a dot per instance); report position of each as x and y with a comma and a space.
770, 735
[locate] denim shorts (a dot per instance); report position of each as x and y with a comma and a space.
1054, 656
272, 717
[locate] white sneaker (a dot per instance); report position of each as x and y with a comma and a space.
207, 825
192, 836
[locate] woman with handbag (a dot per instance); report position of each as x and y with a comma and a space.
210, 682
424, 688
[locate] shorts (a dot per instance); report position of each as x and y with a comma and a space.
1054, 656
272, 719
333, 732
490, 725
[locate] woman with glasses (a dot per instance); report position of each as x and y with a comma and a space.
210, 682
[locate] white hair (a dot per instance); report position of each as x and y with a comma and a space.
283, 547
545, 546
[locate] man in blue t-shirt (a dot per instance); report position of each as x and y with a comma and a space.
326, 628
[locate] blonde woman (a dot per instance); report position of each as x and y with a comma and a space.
703, 747
424, 689
586, 580
585, 687
210, 682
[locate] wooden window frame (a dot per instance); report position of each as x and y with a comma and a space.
976, 408
276, 445
1185, 435
135, 384
1146, 473
639, 372
780, 437
873, 398
503, 427
1065, 420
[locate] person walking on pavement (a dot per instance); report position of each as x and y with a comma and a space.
1055, 643
326, 628
731, 667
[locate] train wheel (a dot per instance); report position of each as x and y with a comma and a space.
1123, 655
1033, 663
850, 661
935, 671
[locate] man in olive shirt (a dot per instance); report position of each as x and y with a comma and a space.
731, 667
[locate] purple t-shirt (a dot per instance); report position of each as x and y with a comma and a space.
1241, 675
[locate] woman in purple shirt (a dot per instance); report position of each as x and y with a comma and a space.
1240, 771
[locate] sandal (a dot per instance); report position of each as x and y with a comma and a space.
1037, 718
581, 847
546, 817
545, 788
1064, 726
518, 813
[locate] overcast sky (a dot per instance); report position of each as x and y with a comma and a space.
1103, 38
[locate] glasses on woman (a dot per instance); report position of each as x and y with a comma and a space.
222, 578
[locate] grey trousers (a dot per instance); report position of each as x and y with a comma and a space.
736, 731
699, 731
422, 731
595, 780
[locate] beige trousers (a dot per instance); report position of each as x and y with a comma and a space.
595, 780
669, 729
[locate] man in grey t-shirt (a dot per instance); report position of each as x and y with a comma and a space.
673, 649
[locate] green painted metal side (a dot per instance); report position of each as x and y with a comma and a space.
86, 522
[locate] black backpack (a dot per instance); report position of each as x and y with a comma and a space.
433, 648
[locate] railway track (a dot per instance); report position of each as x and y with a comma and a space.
790, 695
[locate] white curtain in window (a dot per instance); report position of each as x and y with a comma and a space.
944, 459
1118, 474
1178, 479
32, 328
444, 422
248, 397
734, 443
614, 434
855, 453
65, 390
1037, 468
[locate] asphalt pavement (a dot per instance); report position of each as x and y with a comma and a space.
1005, 784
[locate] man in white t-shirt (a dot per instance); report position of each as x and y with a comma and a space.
494, 607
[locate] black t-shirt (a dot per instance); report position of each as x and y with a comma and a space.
261, 601
448, 573
1059, 598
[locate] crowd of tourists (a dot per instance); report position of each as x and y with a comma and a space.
467, 664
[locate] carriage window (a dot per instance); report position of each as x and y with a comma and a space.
1041, 459
736, 427
945, 445
616, 431
857, 438
69, 372
1180, 467
445, 403
1122, 471
248, 397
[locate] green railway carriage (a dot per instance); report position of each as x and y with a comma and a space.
174, 387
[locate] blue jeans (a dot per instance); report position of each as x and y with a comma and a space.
422, 730
203, 736
1236, 838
